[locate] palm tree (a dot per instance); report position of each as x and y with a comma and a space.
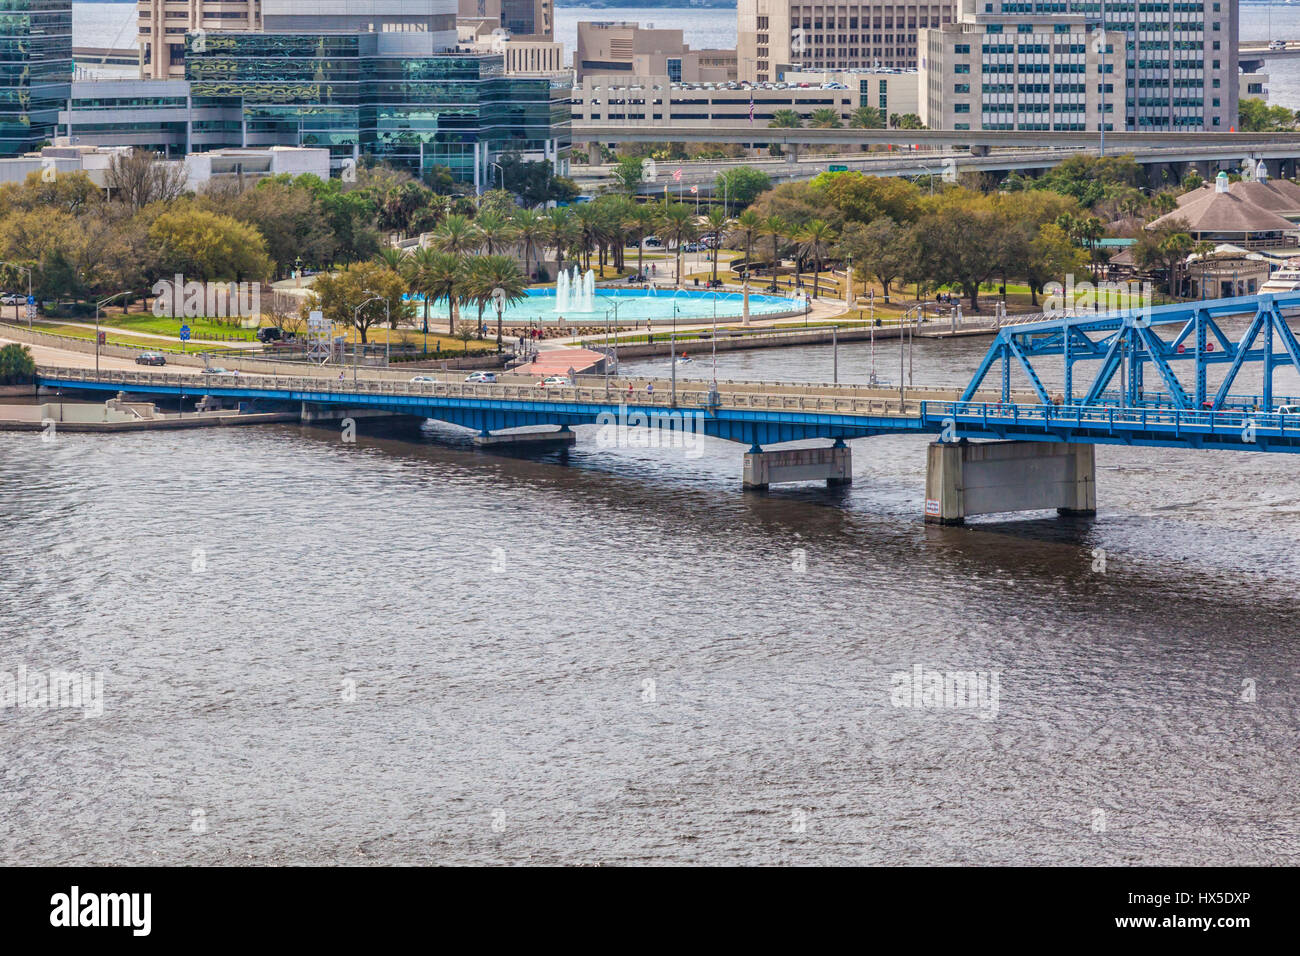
419, 271
815, 240
785, 119
587, 217
777, 228
530, 232
561, 232
391, 257
866, 117
679, 227
824, 118
447, 278
744, 230
893, 120
504, 283
718, 222
646, 220
457, 234
496, 231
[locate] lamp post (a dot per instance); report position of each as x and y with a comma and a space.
503, 174
297, 269
28, 270
388, 320
98, 305
356, 313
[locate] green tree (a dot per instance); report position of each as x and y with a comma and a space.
866, 117
785, 119
17, 367
446, 279
530, 228
878, 249
1256, 116
627, 174
962, 237
824, 118
775, 228
208, 246
862, 198
501, 284
745, 231
678, 226
340, 296
457, 234
716, 224
495, 230
815, 242
741, 185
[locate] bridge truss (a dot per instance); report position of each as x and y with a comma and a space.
1126, 344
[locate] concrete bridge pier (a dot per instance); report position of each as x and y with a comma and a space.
965, 479
764, 468
562, 438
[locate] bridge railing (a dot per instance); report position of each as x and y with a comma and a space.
690, 396
1002, 413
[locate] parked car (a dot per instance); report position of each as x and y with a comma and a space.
12, 298
423, 380
151, 358
652, 241
638, 278
272, 333
1277, 45
555, 381
482, 378
218, 370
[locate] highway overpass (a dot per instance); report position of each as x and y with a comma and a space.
1162, 163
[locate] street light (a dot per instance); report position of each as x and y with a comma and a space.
503, 174
98, 305
28, 270
356, 318
388, 320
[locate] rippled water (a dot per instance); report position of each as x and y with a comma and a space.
512, 686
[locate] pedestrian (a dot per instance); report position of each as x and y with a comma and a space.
650, 388
629, 389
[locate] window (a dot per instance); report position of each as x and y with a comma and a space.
961, 67
675, 69
961, 48
961, 88
961, 107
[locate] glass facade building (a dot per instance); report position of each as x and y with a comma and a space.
360, 94
35, 71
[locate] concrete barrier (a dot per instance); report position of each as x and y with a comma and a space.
833, 464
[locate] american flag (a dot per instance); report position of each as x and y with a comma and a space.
695, 189
677, 175
751, 109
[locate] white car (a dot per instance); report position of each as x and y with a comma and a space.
10, 298
1288, 409
218, 370
423, 380
555, 381
482, 378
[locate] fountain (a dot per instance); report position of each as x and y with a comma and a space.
574, 292
562, 292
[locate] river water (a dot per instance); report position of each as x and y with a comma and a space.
405, 650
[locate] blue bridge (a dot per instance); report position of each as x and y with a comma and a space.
1128, 392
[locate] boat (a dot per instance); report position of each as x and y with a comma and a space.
1285, 279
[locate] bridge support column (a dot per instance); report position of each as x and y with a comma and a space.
835, 464
563, 438
964, 479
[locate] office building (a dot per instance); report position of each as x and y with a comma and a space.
35, 71
522, 19
1028, 72
618, 47
777, 35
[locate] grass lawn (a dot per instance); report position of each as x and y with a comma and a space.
112, 338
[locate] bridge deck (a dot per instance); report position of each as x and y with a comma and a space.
743, 413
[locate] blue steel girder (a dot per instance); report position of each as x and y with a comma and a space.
1029, 370
1241, 351
1128, 337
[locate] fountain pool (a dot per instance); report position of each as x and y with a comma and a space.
633, 305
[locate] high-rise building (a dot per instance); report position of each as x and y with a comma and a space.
1036, 73
522, 19
1016, 64
776, 35
35, 71
164, 23
620, 47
